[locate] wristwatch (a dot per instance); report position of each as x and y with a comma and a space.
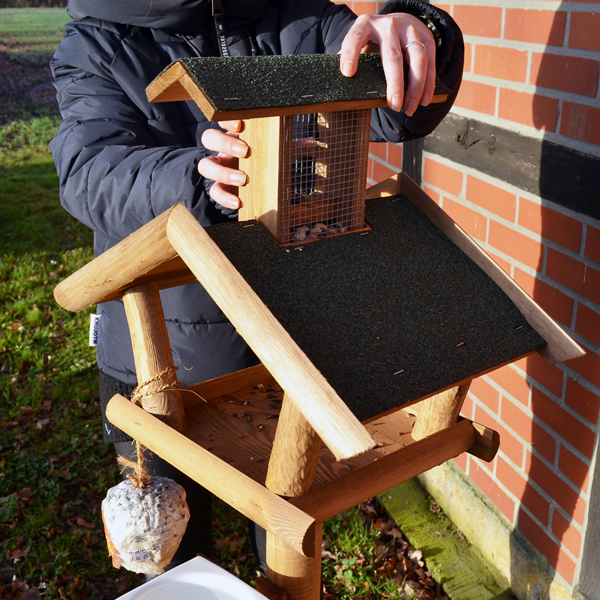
431, 26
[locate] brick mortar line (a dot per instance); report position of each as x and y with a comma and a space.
521, 470
552, 536
532, 89
560, 401
536, 419
553, 504
533, 417
546, 243
536, 486
532, 48
385, 163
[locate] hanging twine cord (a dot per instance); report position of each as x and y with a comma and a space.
140, 476
168, 378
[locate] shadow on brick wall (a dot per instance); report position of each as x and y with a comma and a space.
566, 411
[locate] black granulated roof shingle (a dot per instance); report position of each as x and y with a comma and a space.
239, 83
387, 317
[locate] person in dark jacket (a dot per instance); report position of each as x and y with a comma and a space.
122, 161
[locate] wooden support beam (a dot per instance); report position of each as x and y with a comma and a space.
339, 429
156, 374
295, 453
236, 489
440, 411
341, 494
116, 269
269, 590
299, 576
291, 472
487, 441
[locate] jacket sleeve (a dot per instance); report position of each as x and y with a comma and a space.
114, 176
390, 126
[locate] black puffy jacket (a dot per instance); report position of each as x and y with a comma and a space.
122, 161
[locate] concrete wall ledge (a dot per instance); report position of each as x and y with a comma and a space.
527, 571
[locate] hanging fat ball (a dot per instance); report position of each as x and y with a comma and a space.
144, 525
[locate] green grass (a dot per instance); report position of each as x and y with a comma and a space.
54, 471
353, 567
30, 32
28, 37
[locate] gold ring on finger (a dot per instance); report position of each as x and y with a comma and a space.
415, 42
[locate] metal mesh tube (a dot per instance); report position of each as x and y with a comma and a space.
324, 164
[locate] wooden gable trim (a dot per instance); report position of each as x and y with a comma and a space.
121, 267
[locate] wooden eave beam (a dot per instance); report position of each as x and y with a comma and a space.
559, 345
118, 268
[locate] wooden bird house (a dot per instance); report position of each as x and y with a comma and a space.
354, 333
307, 171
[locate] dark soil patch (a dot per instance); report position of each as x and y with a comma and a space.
26, 88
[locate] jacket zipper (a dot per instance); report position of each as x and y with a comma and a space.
219, 20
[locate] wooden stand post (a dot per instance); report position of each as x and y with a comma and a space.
440, 411
291, 471
152, 354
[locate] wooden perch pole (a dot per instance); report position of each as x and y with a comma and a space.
156, 374
291, 472
225, 481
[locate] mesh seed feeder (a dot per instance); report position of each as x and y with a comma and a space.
370, 336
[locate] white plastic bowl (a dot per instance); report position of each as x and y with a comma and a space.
197, 579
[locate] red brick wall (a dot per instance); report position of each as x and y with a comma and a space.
534, 70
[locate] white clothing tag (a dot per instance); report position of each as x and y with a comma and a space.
94, 329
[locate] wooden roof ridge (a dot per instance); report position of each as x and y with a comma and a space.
243, 87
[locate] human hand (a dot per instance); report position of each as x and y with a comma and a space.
223, 168
398, 35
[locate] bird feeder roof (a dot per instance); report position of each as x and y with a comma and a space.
256, 86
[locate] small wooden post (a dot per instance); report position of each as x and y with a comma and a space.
152, 354
291, 471
295, 453
440, 411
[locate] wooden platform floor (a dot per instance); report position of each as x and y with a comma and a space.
240, 427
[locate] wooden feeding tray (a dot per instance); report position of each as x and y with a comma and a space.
229, 433
393, 318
